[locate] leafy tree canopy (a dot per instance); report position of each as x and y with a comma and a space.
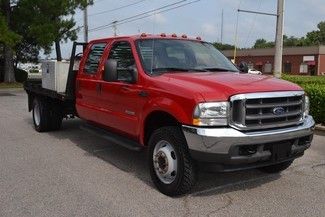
7, 37
46, 21
221, 46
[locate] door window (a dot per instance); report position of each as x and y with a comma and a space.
94, 57
122, 53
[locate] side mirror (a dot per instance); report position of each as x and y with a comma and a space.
243, 67
110, 70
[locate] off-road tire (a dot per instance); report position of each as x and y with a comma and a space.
186, 168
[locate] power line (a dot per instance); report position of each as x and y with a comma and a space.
137, 16
115, 9
252, 25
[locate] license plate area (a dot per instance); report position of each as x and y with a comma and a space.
280, 150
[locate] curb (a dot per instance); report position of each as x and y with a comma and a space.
15, 89
320, 127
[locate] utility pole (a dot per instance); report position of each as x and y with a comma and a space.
278, 37
279, 40
114, 28
86, 24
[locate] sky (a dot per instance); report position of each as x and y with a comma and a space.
202, 18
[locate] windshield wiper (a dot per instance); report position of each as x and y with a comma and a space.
175, 69
218, 69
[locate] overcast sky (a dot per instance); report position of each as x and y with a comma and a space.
203, 18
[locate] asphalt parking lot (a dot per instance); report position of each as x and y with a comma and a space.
74, 173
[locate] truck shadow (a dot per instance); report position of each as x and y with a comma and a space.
135, 163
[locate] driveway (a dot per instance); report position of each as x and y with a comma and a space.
74, 173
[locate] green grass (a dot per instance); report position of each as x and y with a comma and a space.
10, 85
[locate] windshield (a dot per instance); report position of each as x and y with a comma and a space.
170, 55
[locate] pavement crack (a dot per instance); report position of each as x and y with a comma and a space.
186, 206
229, 203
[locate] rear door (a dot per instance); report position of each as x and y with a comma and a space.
87, 86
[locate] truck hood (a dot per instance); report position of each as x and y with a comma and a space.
222, 85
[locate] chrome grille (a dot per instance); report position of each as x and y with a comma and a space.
266, 110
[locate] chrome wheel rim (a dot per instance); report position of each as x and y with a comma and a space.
37, 115
165, 162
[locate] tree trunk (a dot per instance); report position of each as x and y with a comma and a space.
58, 50
8, 52
9, 65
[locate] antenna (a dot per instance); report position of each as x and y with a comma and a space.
114, 27
85, 13
153, 41
221, 32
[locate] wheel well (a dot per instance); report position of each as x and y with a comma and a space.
155, 121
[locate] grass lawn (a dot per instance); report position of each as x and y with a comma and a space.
10, 85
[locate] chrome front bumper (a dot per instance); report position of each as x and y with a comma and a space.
220, 141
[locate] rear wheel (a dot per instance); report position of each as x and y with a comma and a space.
276, 168
41, 115
46, 117
171, 168
56, 118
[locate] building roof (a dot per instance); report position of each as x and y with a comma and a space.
312, 50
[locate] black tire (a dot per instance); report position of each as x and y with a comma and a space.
55, 118
41, 115
49, 116
276, 168
186, 170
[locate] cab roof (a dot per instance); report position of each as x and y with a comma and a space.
149, 36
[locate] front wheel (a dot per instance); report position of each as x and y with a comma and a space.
171, 168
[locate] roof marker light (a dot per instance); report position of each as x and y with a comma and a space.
174, 35
198, 38
143, 35
162, 35
184, 36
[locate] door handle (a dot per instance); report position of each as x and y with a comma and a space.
125, 89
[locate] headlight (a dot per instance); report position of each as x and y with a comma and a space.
211, 114
306, 107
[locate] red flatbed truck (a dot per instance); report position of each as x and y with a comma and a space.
184, 102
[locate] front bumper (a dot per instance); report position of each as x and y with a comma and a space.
236, 149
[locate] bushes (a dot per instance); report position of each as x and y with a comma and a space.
21, 75
315, 89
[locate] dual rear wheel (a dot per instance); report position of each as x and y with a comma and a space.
46, 116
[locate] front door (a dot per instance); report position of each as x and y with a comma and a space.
122, 101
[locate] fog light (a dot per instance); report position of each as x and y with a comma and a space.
247, 150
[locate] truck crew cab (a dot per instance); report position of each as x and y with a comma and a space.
181, 100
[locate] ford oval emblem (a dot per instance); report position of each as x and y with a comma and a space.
278, 111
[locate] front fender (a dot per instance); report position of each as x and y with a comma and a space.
181, 112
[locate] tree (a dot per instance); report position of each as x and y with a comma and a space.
293, 41
317, 37
221, 46
8, 38
262, 43
50, 21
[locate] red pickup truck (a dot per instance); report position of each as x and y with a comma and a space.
184, 102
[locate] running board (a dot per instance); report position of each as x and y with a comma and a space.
113, 138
